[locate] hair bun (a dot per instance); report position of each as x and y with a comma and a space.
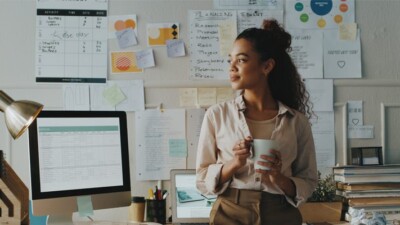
281, 37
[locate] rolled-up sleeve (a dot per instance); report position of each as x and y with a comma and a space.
208, 171
305, 174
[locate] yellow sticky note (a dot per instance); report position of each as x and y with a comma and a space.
206, 96
348, 31
188, 97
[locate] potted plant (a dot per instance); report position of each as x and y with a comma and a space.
323, 205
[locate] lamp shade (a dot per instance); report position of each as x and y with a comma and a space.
18, 114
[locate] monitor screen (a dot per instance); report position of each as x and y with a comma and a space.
79, 153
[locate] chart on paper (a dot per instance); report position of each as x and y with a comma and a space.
71, 41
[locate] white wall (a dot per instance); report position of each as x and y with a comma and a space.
380, 34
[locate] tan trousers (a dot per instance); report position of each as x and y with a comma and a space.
247, 207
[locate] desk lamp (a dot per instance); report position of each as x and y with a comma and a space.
18, 116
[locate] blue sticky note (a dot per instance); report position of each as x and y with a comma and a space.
85, 206
36, 220
177, 148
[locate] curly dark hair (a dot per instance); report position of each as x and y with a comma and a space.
272, 41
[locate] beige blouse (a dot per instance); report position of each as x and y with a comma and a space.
225, 123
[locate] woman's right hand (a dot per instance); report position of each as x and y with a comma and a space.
242, 151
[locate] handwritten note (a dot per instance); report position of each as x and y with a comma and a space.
126, 38
227, 33
155, 129
255, 17
175, 48
71, 41
307, 52
206, 61
206, 96
145, 58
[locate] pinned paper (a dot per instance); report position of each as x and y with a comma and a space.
121, 22
175, 48
224, 94
206, 96
159, 33
145, 58
126, 38
177, 148
348, 31
188, 97
36, 220
85, 206
114, 95
364, 132
355, 113
124, 62
227, 31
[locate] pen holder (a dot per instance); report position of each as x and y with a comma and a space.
156, 211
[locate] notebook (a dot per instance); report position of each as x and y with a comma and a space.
188, 205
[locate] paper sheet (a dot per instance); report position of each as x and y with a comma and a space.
321, 93
323, 130
71, 41
193, 123
154, 130
248, 4
76, 97
121, 22
206, 60
206, 96
133, 91
342, 58
254, 18
307, 52
318, 14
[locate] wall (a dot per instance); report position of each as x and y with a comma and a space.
379, 87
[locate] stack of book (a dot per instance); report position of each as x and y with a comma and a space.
371, 188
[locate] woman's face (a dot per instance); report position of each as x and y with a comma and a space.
246, 70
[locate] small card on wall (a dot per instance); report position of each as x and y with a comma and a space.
124, 62
159, 33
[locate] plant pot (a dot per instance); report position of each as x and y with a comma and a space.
321, 211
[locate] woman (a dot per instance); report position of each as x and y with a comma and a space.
273, 105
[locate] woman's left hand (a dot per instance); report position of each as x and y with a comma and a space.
274, 164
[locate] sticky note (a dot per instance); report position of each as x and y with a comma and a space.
114, 95
175, 48
348, 31
36, 220
145, 58
85, 206
177, 148
126, 38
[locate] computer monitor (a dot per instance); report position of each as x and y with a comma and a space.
78, 153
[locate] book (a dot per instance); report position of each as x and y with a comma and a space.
366, 186
368, 178
369, 193
381, 169
371, 201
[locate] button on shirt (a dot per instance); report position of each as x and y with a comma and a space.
224, 124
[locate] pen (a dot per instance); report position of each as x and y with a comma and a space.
165, 195
151, 193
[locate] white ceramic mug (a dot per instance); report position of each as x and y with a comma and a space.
262, 147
